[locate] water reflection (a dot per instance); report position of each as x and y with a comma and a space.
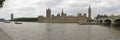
60, 31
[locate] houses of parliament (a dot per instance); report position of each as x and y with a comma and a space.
63, 18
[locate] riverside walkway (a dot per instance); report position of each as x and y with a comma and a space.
4, 35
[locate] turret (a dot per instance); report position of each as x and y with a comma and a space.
62, 13
48, 12
79, 14
84, 15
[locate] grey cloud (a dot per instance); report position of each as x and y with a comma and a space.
26, 9
79, 5
51, 3
33, 9
97, 1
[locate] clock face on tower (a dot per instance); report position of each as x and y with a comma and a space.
89, 12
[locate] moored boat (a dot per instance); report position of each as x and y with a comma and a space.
17, 23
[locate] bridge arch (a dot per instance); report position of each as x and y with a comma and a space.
100, 21
116, 22
107, 22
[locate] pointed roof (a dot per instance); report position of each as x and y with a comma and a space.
89, 6
62, 12
48, 8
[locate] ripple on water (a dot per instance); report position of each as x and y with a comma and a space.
59, 31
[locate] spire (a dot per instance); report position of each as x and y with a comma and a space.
89, 12
89, 7
62, 13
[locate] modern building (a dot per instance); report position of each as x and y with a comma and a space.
12, 17
64, 18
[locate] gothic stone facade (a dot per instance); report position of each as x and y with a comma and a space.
63, 18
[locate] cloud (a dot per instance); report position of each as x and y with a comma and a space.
34, 8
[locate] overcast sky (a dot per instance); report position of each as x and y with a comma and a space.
34, 8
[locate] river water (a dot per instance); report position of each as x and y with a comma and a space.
60, 31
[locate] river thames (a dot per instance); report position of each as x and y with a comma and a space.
59, 31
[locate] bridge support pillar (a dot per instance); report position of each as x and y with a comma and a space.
103, 23
112, 24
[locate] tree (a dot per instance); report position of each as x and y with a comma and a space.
1, 3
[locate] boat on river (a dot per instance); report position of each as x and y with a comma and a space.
17, 22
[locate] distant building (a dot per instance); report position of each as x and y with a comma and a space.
89, 14
12, 17
25, 19
2, 19
63, 18
101, 16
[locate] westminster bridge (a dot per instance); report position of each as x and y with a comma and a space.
111, 21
